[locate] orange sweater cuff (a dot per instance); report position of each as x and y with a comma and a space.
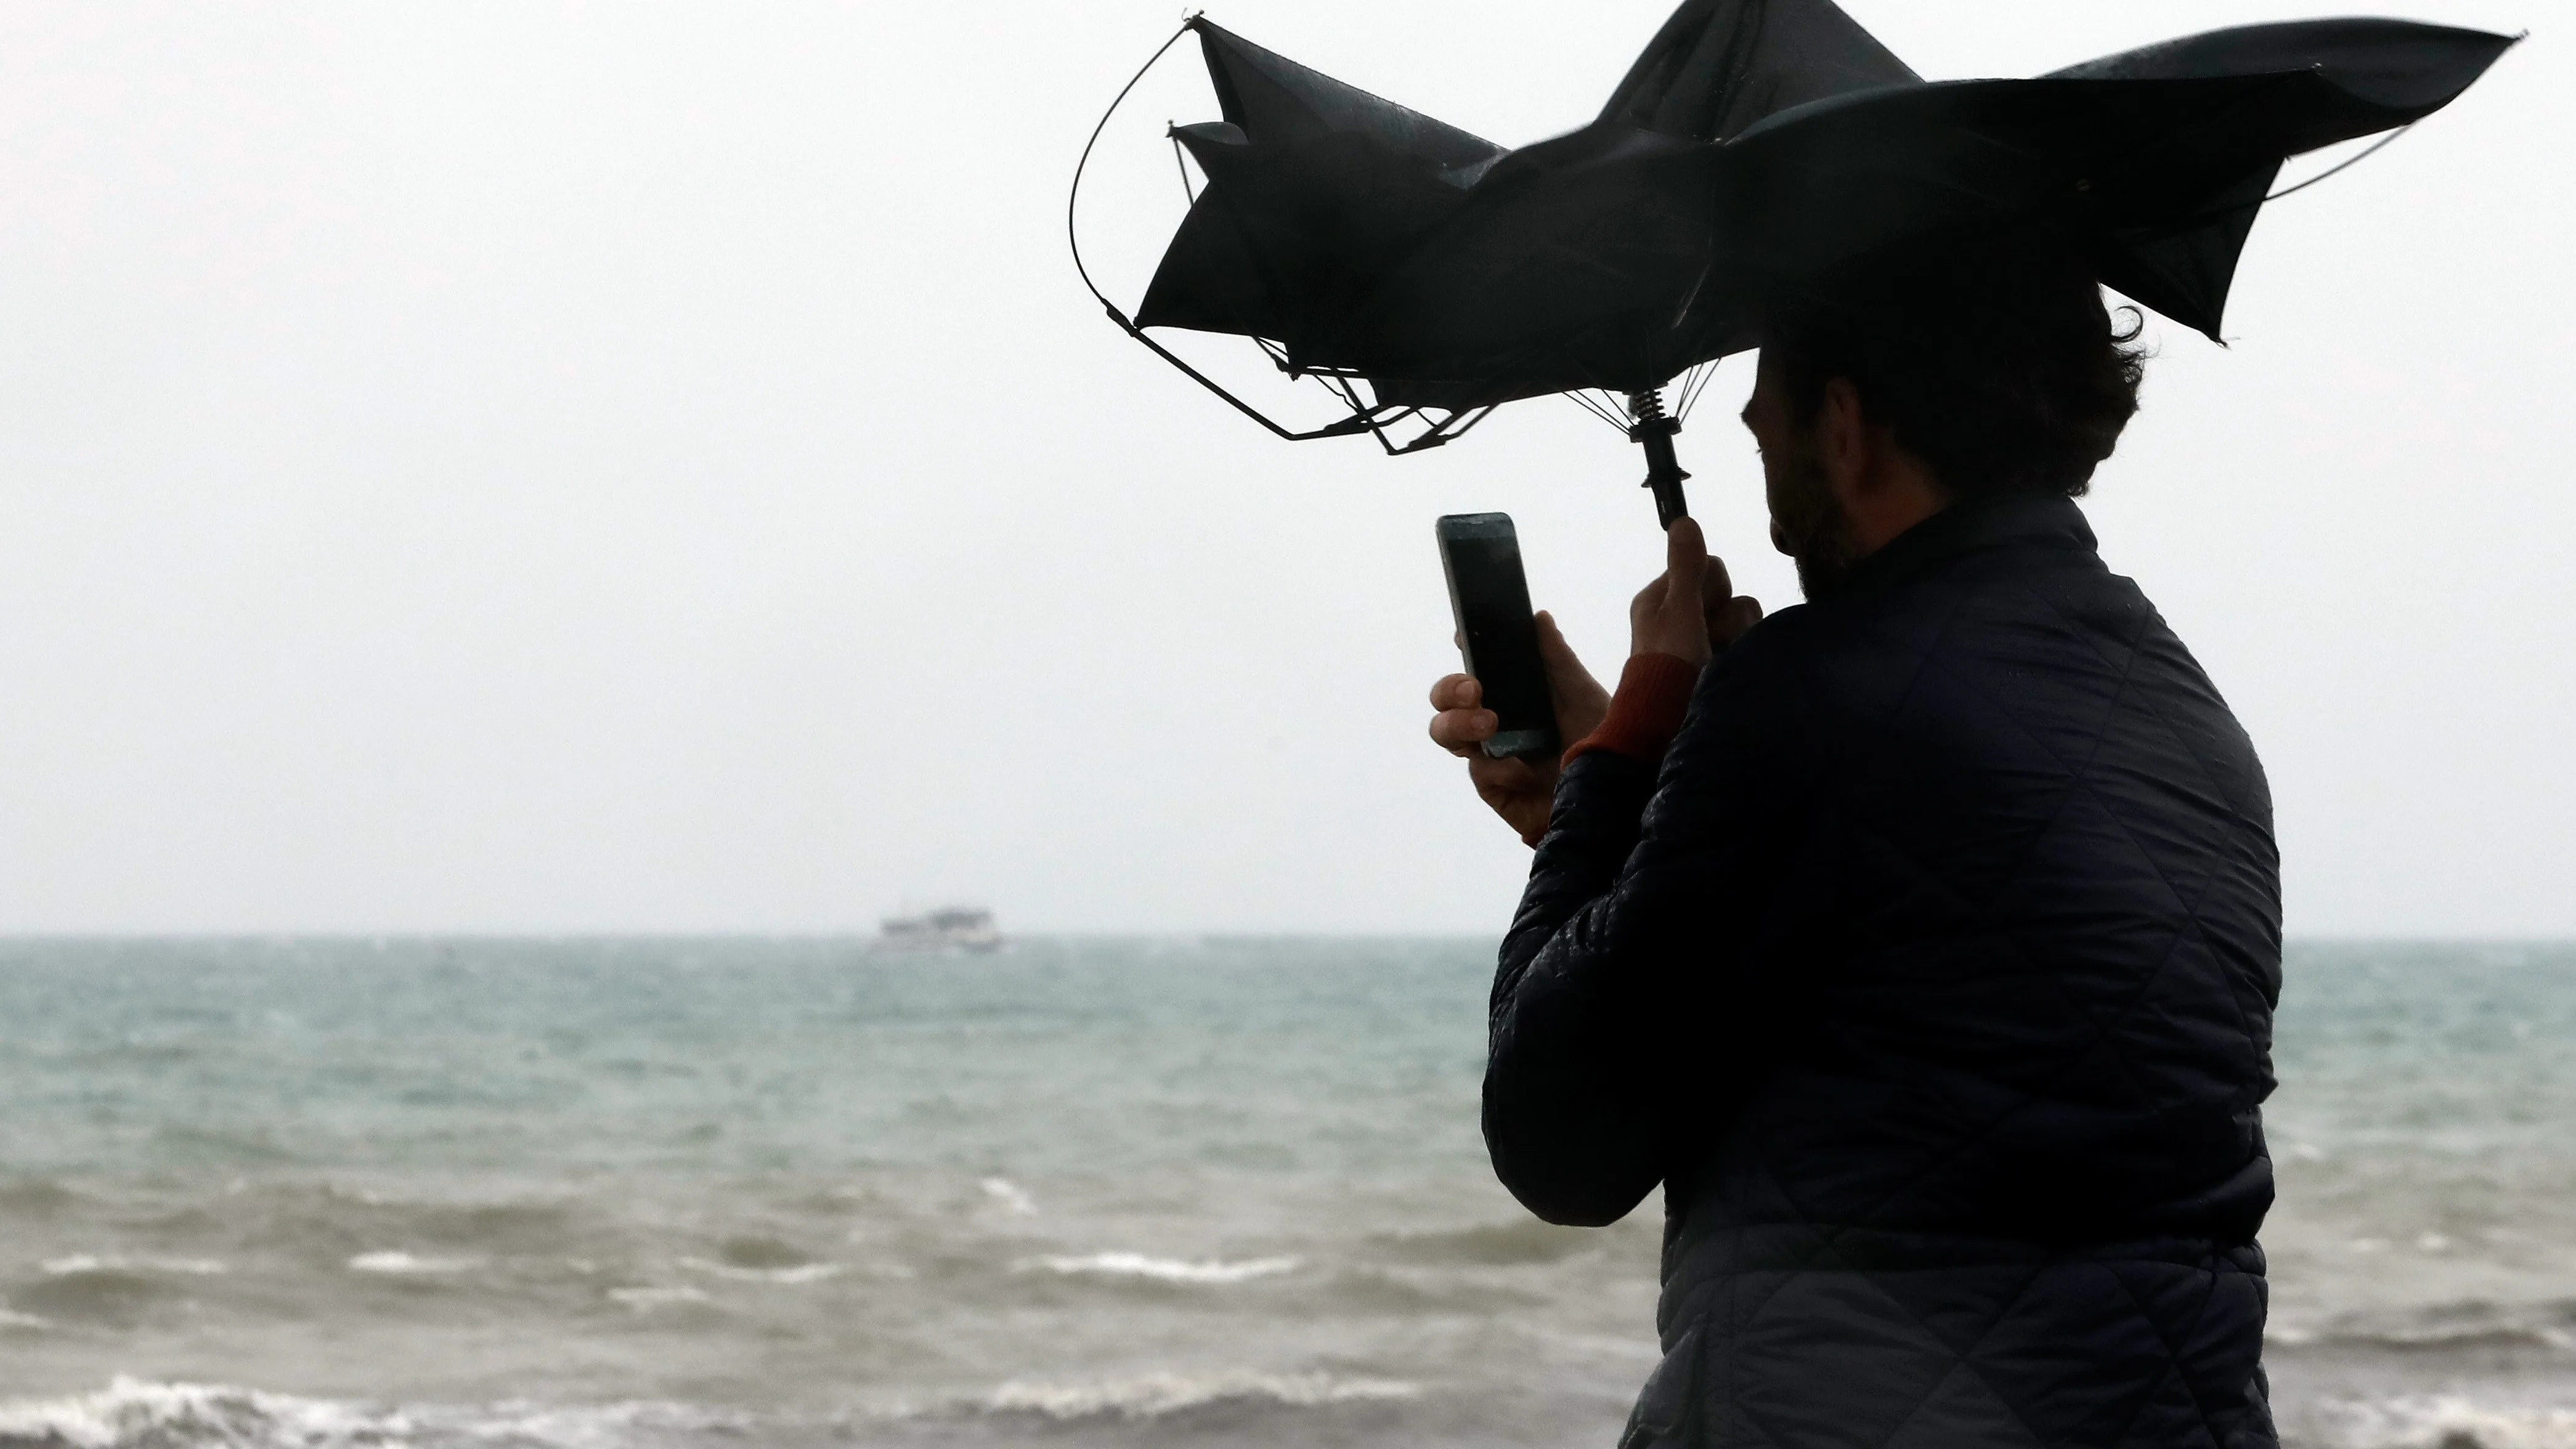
1646, 711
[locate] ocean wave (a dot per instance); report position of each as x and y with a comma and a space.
12, 1320
1011, 1196
132, 1414
395, 1261
97, 1292
1160, 1270
2442, 1421
2451, 1327
65, 1267
1427, 1290
794, 1273
2445, 1339
135, 1414
139, 1414
1154, 1396
1526, 1240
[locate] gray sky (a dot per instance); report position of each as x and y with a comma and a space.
525, 467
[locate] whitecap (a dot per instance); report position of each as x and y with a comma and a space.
602, 1426
1010, 1195
397, 1261
28, 1322
1152, 1396
1161, 1270
64, 1267
799, 1273
135, 1414
2283, 1335
132, 1412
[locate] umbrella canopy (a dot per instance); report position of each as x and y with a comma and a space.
1754, 145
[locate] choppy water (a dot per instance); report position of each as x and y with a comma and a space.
553, 1195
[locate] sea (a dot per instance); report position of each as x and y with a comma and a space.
592, 1193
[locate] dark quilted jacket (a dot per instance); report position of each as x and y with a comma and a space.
1932, 977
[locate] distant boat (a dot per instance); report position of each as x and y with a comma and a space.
953, 930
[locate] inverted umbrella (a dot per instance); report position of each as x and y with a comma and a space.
1427, 275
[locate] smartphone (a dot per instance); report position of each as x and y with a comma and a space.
1489, 597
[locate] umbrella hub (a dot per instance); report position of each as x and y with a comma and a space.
1653, 430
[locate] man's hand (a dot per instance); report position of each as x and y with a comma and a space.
1692, 605
1684, 612
1520, 790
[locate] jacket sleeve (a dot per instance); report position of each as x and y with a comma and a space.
1619, 1013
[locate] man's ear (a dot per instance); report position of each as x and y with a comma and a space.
1843, 439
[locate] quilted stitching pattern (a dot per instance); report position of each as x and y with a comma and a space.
1933, 977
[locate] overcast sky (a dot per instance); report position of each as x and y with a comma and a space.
531, 467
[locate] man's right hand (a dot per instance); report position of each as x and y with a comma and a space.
1691, 607
1521, 790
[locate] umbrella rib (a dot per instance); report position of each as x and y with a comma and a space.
1705, 379
2216, 213
1693, 381
2366, 153
1073, 193
1576, 397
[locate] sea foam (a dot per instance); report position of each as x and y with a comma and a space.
792, 1273
1152, 1396
65, 1267
396, 1261
1012, 1196
136, 1414
130, 1413
1161, 1270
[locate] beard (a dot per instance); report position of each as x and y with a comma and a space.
1810, 527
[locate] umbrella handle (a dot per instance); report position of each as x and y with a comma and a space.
1654, 431
1669, 503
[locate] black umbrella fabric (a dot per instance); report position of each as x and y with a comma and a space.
1754, 146
2155, 160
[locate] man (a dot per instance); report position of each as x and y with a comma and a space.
1921, 940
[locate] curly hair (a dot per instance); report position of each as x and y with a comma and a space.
1991, 357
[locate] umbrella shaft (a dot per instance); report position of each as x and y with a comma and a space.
1654, 432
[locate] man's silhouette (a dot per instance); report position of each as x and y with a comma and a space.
1920, 940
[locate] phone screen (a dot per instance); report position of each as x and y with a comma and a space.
1490, 595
